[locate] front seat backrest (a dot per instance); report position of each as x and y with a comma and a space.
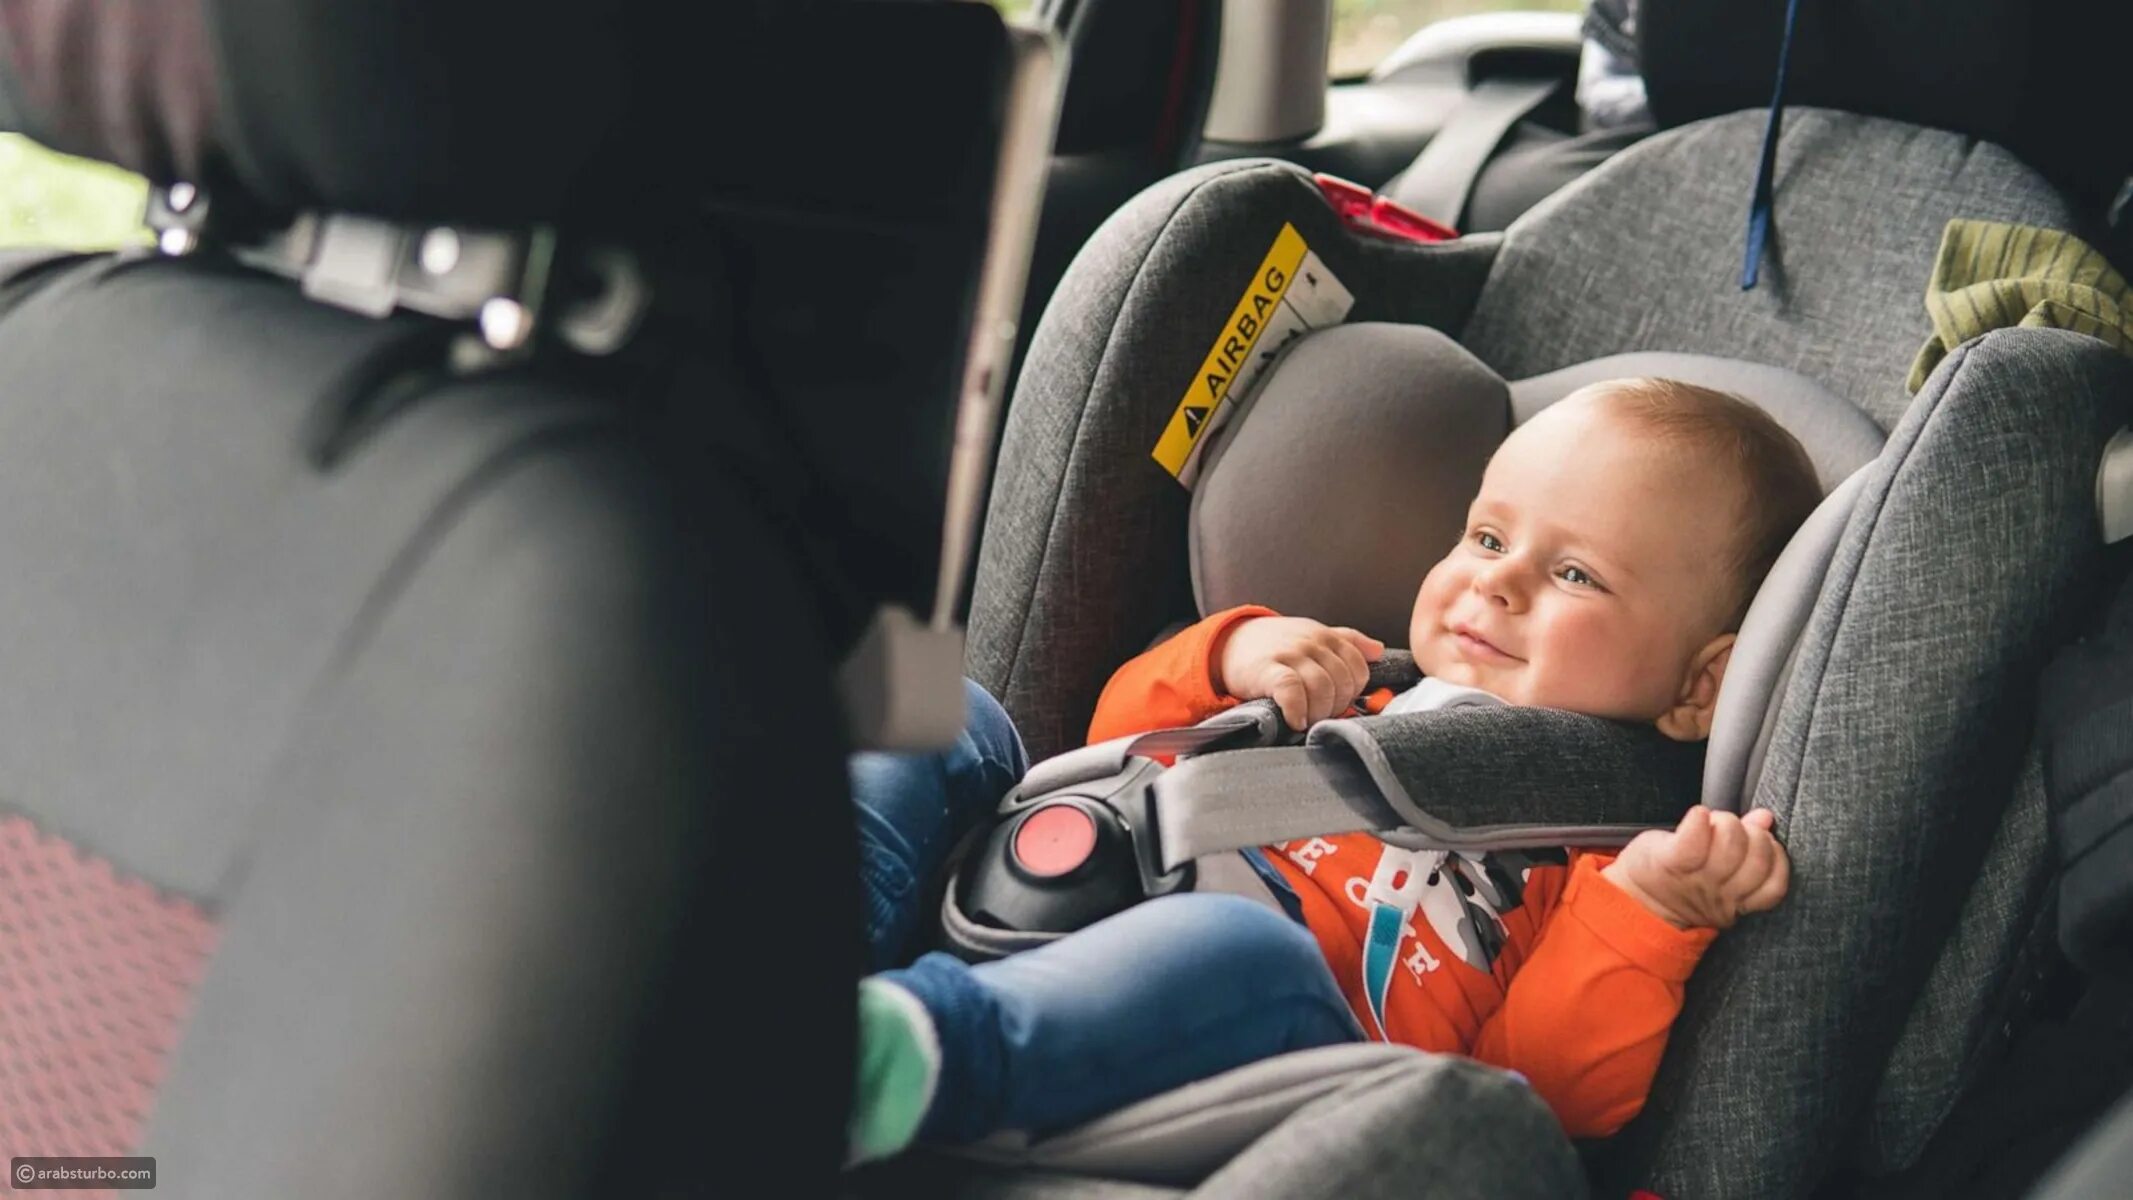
360, 813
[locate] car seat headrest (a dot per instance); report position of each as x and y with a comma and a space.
1346, 475
472, 110
1338, 484
1837, 436
2006, 71
1349, 471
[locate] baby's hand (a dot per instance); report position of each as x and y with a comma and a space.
1311, 670
1708, 872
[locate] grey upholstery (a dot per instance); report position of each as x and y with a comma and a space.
1120, 341
1836, 435
1182, 1137
435, 737
1860, 207
1441, 1128
1844, 1025
1396, 420
1768, 646
2098, 1166
1902, 730
1335, 1122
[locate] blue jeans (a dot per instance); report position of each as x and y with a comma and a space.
1168, 992
913, 808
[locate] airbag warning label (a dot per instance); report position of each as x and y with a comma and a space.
1291, 292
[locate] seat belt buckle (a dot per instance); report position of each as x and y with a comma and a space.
1398, 881
1365, 211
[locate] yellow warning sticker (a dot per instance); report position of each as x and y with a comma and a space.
1290, 293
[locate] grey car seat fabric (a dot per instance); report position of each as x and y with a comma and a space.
1852, 1016
2098, 1165
365, 823
1862, 202
424, 738
1338, 1121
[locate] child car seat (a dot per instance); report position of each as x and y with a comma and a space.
1470, 779
1926, 592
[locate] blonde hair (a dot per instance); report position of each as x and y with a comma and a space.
1777, 479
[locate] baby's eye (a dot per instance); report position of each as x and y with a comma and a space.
1489, 542
1578, 576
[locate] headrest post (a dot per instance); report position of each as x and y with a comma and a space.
498, 281
179, 215
2114, 488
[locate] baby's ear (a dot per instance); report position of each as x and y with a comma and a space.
1690, 718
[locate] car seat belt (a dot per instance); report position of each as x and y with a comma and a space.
1094, 829
1439, 181
1242, 798
1348, 781
1395, 891
1760, 205
1584, 781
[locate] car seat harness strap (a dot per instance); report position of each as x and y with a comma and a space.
1097, 829
1395, 891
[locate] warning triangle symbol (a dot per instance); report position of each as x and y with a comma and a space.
1195, 416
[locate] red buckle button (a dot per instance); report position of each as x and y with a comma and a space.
1054, 840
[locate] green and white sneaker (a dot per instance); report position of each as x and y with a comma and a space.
899, 1066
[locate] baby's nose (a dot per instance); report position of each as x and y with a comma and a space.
1499, 583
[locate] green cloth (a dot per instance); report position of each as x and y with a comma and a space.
1991, 275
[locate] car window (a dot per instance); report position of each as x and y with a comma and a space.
1365, 31
49, 199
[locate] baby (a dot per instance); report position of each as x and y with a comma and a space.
1607, 562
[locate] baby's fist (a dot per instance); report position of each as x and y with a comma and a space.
1708, 871
1310, 670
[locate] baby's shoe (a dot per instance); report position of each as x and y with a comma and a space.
899, 1067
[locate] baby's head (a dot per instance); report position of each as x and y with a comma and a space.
1612, 552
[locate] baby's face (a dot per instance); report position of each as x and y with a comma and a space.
1594, 567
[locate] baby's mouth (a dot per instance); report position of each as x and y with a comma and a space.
1476, 648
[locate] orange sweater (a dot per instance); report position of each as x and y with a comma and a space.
1530, 962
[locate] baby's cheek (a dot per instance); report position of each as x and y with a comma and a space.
1594, 666
1428, 613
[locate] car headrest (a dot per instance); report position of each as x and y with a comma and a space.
2013, 72
465, 110
1135, 77
1349, 472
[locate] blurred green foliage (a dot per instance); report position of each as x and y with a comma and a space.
1365, 31
49, 199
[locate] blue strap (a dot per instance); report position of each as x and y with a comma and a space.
1759, 207
1381, 949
